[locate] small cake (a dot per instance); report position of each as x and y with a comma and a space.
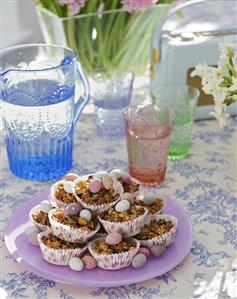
113, 256
159, 231
97, 193
152, 202
61, 196
128, 222
57, 251
72, 228
39, 215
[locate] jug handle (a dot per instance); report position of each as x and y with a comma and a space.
84, 98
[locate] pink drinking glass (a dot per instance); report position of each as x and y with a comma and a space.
148, 131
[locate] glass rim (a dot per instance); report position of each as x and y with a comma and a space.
182, 85
23, 46
159, 108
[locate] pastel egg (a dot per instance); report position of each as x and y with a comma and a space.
33, 238
113, 238
149, 198
107, 181
100, 174
126, 178
86, 214
76, 264
116, 173
122, 206
140, 197
68, 186
118, 187
139, 260
45, 206
144, 251
70, 177
73, 209
89, 262
95, 186
128, 197
157, 250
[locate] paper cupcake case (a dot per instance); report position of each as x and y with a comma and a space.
128, 228
165, 239
69, 234
99, 209
58, 256
40, 226
113, 261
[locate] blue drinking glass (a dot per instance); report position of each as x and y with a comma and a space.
37, 91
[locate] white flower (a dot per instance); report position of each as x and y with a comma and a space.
234, 84
220, 114
201, 69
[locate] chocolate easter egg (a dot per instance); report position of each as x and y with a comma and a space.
107, 181
99, 174
116, 173
139, 260
70, 177
128, 196
122, 206
86, 214
157, 250
76, 264
126, 178
113, 238
73, 209
68, 186
89, 262
118, 187
45, 206
149, 198
95, 185
144, 251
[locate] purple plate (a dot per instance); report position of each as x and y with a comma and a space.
30, 256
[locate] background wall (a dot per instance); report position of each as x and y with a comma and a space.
18, 23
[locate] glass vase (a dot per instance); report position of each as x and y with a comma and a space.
112, 40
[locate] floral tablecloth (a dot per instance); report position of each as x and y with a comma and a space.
205, 183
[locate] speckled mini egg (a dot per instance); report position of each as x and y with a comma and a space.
122, 206
45, 206
76, 264
107, 181
86, 214
116, 173
113, 238
140, 196
70, 177
118, 187
95, 185
89, 262
100, 174
157, 250
139, 260
144, 251
32, 229
128, 196
126, 178
149, 198
68, 186
73, 209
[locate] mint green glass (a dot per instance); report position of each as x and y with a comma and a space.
183, 100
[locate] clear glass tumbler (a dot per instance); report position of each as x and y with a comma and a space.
183, 100
110, 96
37, 91
148, 131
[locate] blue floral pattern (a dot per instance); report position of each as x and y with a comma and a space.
204, 183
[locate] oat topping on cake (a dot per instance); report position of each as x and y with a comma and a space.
154, 229
74, 221
130, 187
63, 196
154, 207
103, 196
53, 242
101, 247
130, 214
41, 217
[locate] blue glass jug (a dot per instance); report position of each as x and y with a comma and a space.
37, 91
